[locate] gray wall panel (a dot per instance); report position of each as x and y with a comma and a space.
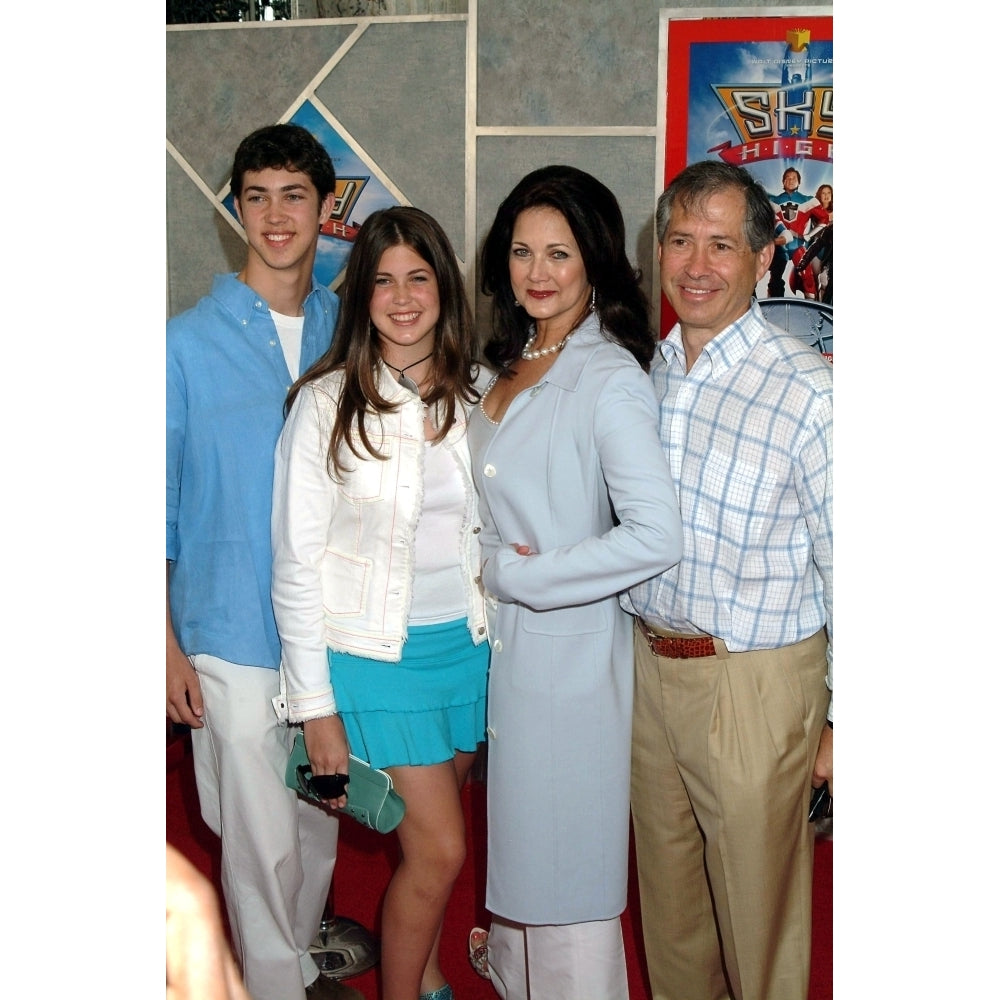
222, 84
200, 243
575, 62
400, 91
567, 63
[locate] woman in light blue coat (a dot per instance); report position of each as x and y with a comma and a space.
578, 505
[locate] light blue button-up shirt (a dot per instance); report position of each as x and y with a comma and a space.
226, 385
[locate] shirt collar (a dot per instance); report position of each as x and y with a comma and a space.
725, 349
241, 300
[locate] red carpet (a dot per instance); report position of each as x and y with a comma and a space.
364, 865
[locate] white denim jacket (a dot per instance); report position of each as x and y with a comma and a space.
342, 571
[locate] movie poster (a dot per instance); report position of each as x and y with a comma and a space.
758, 92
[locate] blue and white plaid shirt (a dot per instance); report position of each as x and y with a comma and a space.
748, 433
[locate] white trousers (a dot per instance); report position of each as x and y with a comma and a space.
278, 850
558, 961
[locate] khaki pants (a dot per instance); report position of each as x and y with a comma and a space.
278, 850
722, 755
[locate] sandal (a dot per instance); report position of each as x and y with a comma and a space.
441, 993
478, 956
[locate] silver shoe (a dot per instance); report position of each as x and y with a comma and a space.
343, 948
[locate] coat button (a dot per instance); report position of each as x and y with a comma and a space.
498, 646
489, 471
491, 732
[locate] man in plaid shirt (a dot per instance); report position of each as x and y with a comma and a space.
733, 723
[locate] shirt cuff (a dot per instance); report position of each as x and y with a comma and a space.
311, 705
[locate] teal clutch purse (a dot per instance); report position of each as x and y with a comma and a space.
371, 799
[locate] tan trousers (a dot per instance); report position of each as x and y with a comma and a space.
722, 754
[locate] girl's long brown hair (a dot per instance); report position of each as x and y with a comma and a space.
355, 346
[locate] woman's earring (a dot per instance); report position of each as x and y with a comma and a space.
593, 297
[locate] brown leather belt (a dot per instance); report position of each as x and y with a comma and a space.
677, 647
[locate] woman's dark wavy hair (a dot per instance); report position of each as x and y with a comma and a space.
355, 346
595, 219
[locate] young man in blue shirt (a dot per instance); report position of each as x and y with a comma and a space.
734, 644
230, 362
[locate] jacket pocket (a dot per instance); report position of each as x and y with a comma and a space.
580, 620
345, 584
362, 480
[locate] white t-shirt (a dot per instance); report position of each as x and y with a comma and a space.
438, 592
290, 334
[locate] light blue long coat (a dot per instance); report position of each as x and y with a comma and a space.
571, 455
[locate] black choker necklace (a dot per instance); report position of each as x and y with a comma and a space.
404, 379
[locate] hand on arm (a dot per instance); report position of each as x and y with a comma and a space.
184, 702
646, 538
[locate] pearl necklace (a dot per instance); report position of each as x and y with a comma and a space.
529, 355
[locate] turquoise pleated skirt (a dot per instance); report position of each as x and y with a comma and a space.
420, 710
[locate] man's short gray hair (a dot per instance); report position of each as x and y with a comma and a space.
696, 183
